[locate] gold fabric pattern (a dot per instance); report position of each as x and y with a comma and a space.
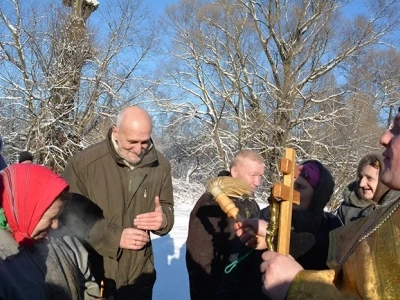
364, 259
387, 242
319, 286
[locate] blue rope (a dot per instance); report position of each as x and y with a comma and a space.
233, 264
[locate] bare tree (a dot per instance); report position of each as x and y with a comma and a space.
233, 74
63, 76
373, 79
268, 74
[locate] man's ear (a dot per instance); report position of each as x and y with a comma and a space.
114, 132
234, 171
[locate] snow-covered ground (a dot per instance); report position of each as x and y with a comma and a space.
169, 255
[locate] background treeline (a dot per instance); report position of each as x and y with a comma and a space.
217, 76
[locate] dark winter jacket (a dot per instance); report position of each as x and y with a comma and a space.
353, 207
119, 193
316, 257
210, 245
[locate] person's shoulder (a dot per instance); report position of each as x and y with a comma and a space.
162, 160
100, 147
91, 154
205, 199
205, 206
390, 197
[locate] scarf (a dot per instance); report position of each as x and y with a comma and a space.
28, 191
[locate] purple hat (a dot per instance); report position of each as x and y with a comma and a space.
310, 172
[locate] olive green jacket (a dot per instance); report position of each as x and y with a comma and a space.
122, 193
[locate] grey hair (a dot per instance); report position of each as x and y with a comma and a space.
118, 119
246, 154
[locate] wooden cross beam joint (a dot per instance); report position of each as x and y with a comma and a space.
282, 192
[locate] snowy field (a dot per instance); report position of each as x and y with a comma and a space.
169, 255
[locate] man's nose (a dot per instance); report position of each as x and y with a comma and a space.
363, 182
257, 181
137, 148
386, 138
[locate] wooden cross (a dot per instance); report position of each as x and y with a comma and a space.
285, 192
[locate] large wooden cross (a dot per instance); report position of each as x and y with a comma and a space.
286, 193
